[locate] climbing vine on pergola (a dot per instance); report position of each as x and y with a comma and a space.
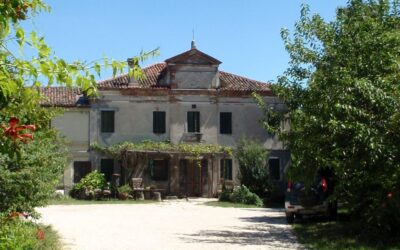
193, 150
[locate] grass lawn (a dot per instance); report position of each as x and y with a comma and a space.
228, 204
66, 200
341, 234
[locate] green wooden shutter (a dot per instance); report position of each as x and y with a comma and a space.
225, 119
274, 168
107, 168
197, 122
190, 122
159, 122
226, 169
193, 121
221, 168
229, 169
107, 121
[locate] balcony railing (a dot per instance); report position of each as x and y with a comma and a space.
192, 137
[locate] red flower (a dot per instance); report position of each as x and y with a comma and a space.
40, 234
13, 215
389, 195
14, 130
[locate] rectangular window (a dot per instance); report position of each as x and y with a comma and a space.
81, 169
107, 121
274, 168
193, 121
225, 122
158, 170
159, 122
226, 169
107, 168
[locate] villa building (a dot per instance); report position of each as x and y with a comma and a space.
185, 99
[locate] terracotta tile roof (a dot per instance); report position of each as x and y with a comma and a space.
229, 82
152, 74
231, 85
62, 97
118, 82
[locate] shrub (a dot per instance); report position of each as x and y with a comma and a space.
252, 157
85, 188
124, 189
18, 234
225, 195
29, 174
253, 199
242, 194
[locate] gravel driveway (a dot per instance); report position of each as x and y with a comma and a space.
169, 225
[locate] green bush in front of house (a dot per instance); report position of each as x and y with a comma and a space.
225, 195
16, 233
252, 157
29, 172
241, 194
86, 187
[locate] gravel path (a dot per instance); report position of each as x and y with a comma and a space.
169, 225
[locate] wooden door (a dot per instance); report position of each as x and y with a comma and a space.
191, 181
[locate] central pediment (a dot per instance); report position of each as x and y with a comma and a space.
192, 69
193, 56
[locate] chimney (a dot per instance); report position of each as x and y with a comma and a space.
193, 45
132, 81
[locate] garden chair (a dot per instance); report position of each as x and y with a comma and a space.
137, 187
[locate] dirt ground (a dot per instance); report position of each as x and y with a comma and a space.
169, 225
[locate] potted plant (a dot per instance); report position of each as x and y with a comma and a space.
124, 191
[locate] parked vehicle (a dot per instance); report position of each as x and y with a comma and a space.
300, 202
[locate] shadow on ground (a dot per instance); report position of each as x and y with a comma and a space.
259, 231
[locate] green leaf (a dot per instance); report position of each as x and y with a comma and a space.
97, 68
20, 34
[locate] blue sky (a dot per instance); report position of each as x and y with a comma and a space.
244, 35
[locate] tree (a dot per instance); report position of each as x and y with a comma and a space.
342, 94
252, 157
29, 172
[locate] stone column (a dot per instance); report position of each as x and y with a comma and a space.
215, 176
174, 174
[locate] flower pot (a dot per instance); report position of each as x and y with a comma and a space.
123, 196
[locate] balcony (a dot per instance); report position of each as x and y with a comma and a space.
192, 137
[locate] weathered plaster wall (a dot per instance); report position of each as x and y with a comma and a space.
195, 77
134, 121
73, 124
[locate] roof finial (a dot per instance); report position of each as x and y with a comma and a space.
193, 44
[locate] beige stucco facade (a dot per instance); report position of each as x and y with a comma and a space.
133, 122
73, 125
192, 82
